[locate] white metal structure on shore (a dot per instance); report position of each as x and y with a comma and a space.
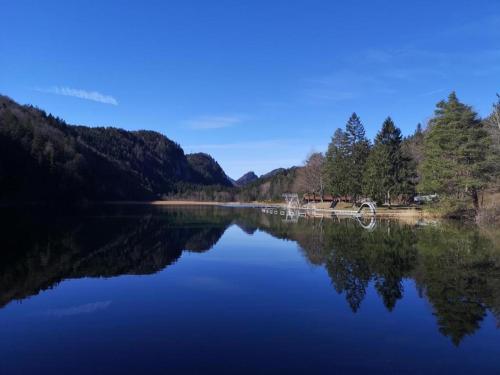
293, 215
292, 202
292, 210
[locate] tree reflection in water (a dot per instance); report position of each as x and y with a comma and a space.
456, 268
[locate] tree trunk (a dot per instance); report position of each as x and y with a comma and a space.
475, 200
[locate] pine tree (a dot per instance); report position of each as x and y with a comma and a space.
456, 152
359, 148
354, 129
389, 170
346, 158
413, 149
336, 164
374, 183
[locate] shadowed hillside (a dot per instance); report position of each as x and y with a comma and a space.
44, 159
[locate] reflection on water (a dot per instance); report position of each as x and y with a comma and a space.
455, 269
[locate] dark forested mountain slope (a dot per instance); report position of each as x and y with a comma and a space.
246, 179
271, 186
43, 158
207, 170
273, 172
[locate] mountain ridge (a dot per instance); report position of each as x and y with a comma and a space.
246, 179
42, 158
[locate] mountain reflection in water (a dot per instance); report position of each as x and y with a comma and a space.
455, 268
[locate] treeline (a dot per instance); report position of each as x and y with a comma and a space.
269, 187
456, 157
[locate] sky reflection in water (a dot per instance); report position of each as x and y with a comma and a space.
214, 290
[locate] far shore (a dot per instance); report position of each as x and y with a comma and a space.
186, 203
410, 213
396, 212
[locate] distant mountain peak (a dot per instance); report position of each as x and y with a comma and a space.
247, 178
272, 173
208, 170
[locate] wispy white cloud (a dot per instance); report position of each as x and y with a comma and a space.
477, 27
265, 144
329, 94
378, 56
378, 72
82, 94
432, 92
214, 122
342, 85
263, 165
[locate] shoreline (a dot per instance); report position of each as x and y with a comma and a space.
381, 212
402, 213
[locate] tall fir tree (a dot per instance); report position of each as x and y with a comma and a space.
457, 160
389, 171
354, 129
359, 149
346, 158
337, 164
413, 146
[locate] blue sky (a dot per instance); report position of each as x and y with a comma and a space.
257, 84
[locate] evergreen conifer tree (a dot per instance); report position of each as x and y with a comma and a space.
389, 170
346, 158
336, 164
359, 148
457, 160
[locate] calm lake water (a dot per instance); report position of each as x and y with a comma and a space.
226, 290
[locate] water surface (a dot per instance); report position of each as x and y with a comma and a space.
228, 290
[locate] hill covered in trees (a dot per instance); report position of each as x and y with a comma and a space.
44, 159
208, 171
271, 186
246, 179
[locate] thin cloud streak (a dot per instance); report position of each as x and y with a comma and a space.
94, 96
213, 122
246, 145
432, 92
330, 95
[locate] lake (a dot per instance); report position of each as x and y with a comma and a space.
208, 289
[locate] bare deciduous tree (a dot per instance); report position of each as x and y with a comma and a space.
312, 176
495, 115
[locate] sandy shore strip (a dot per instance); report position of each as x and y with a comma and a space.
381, 211
195, 203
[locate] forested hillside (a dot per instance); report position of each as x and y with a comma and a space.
271, 186
207, 170
246, 179
44, 159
